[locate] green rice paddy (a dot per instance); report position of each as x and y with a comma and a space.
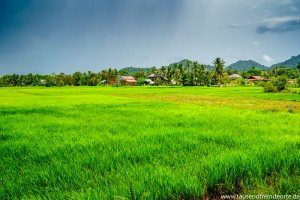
147, 142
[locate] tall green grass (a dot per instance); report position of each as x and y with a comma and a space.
147, 143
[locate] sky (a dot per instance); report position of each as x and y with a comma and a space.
44, 36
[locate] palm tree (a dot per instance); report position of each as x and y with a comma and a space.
219, 65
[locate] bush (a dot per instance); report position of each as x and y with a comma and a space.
260, 83
269, 87
298, 81
141, 81
243, 82
280, 83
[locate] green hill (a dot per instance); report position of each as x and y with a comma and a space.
245, 65
186, 62
133, 70
291, 63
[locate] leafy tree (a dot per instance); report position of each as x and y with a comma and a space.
230, 71
92, 79
2, 84
69, 80
77, 78
153, 70
109, 75
198, 74
139, 74
50, 80
14, 80
84, 79
60, 79
254, 72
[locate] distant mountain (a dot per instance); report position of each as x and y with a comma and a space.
186, 62
183, 62
292, 62
133, 70
245, 65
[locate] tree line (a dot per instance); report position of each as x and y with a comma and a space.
191, 74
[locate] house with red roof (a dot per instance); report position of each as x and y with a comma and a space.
127, 80
257, 78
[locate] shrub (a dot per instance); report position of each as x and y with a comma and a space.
259, 83
243, 82
280, 82
269, 87
298, 81
141, 81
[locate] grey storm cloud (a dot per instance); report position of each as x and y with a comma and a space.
279, 24
44, 36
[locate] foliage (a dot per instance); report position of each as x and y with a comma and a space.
280, 82
238, 82
283, 71
254, 71
277, 84
141, 81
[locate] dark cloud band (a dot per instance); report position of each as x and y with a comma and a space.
279, 24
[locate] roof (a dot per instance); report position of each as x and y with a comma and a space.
131, 81
156, 76
128, 78
256, 78
235, 76
149, 81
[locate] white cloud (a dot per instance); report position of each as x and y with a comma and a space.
267, 59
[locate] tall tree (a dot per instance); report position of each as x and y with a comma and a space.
219, 65
77, 77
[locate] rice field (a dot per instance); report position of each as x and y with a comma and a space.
147, 142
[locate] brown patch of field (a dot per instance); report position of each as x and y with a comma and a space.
239, 102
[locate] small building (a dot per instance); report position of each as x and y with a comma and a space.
149, 81
257, 78
103, 82
127, 80
153, 77
43, 82
234, 76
